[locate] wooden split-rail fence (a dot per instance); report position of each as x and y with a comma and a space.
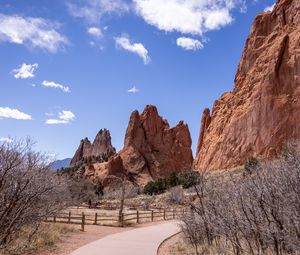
127, 218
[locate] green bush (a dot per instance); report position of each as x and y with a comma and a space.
149, 189
189, 179
250, 165
186, 179
67, 171
173, 180
157, 187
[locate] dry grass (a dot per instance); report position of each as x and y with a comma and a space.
178, 245
47, 237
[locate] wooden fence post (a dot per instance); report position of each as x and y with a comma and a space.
164, 214
137, 217
54, 218
173, 213
152, 216
82, 222
69, 219
122, 220
96, 218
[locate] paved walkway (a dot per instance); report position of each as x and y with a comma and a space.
140, 241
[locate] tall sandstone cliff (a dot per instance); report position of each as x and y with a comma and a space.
263, 111
151, 150
101, 145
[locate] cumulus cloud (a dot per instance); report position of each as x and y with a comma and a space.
25, 71
52, 84
6, 140
269, 8
190, 16
34, 32
133, 90
95, 32
9, 113
136, 48
93, 10
64, 117
189, 43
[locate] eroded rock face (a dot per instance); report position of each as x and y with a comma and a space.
263, 111
99, 172
101, 145
152, 149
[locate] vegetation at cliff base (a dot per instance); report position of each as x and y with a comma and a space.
185, 179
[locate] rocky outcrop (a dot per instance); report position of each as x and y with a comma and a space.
101, 145
99, 172
151, 150
262, 112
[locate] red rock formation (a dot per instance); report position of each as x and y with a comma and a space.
263, 111
101, 145
100, 171
151, 150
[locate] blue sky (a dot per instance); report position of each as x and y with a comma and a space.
69, 68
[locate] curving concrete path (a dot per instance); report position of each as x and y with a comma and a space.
140, 241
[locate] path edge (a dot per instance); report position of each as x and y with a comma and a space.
167, 239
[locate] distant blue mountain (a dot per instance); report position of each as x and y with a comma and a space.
58, 164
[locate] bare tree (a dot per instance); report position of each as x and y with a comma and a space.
117, 186
29, 191
256, 213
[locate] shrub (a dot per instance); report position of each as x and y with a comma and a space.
113, 189
175, 195
254, 215
81, 190
99, 189
149, 189
189, 179
251, 165
157, 187
173, 180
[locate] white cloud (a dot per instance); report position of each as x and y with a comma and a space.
95, 31
35, 32
216, 19
6, 140
52, 84
64, 117
189, 16
136, 48
6, 112
93, 10
269, 8
133, 90
189, 43
25, 71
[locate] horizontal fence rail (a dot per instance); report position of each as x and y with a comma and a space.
133, 217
